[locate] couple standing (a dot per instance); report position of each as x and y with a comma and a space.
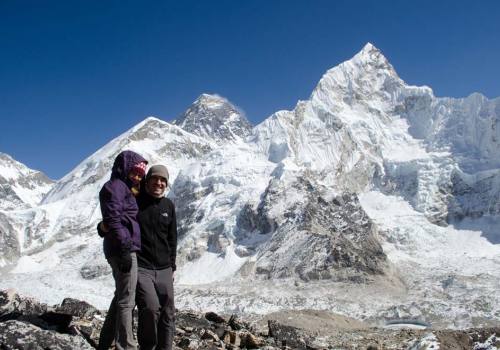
140, 240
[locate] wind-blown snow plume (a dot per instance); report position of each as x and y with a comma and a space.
373, 198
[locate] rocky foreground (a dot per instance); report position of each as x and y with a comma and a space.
27, 324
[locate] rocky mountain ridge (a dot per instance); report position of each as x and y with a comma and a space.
20, 187
365, 193
214, 118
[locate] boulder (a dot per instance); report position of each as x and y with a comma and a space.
207, 334
213, 317
250, 341
25, 336
77, 308
191, 320
12, 306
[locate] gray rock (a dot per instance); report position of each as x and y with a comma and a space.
288, 335
249, 340
77, 308
317, 237
190, 320
197, 332
88, 329
213, 317
12, 306
24, 336
208, 334
236, 324
10, 249
214, 117
231, 338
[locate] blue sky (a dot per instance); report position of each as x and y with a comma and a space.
75, 74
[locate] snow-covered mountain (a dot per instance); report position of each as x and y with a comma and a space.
214, 118
71, 209
20, 186
372, 198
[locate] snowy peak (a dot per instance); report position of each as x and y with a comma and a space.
12, 169
369, 47
367, 76
370, 54
20, 186
70, 210
370, 60
344, 124
153, 138
211, 100
346, 187
215, 118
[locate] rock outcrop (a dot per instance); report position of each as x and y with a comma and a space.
214, 118
26, 324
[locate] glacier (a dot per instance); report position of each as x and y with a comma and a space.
373, 198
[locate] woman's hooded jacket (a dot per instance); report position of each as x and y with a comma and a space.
119, 207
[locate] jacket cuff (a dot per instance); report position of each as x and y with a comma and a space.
100, 232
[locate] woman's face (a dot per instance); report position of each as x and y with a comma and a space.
135, 177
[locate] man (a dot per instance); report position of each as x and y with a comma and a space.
156, 263
119, 212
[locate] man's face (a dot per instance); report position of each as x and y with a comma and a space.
156, 186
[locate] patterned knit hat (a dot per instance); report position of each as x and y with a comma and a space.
140, 168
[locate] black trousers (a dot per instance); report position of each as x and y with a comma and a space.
155, 300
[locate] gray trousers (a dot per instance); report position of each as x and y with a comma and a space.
118, 323
155, 299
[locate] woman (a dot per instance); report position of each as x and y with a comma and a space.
119, 213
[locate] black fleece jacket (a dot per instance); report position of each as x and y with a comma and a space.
158, 232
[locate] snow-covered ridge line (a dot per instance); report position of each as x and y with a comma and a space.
20, 186
337, 199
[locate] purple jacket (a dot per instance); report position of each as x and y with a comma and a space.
119, 207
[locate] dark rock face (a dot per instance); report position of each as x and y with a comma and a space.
216, 118
10, 249
9, 196
318, 237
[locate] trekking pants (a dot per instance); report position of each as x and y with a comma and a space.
155, 300
118, 323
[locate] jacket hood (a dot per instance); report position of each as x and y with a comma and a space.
124, 163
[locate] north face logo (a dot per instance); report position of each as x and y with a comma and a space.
165, 214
